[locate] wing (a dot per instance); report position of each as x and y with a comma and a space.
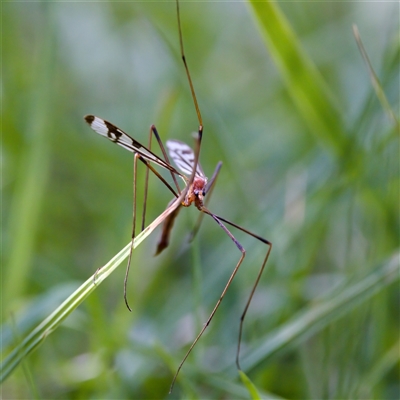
116, 135
183, 157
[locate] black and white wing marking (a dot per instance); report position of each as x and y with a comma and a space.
116, 135
183, 157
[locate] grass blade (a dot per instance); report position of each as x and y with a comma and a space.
49, 324
305, 84
380, 94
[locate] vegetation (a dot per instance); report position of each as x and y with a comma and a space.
310, 150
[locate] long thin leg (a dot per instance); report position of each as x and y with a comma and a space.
149, 167
269, 244
161, 144
210, 184
153, 130
169, 221
133, 227
208, 190
243, 251
249, 301
217, 219
146, 188
196, 105
158, 175
198, 139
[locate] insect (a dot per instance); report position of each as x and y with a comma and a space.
197, 186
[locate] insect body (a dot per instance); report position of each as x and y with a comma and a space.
197, 186
183, 157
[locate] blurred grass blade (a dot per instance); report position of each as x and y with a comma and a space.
250, 386
33, 171
39, 334
374, 79
318, 316
305, 84
28, 374
379, 370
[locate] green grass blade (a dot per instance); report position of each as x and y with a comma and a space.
49, 324
388, 362
380, 94
33, 173
305, 84
250, 386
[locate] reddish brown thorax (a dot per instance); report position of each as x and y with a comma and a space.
195, 193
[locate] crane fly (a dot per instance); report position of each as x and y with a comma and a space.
197, 186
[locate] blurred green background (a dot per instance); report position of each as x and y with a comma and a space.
324, 321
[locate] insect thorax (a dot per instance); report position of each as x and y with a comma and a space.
195, 193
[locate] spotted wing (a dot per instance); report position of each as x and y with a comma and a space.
116, 135
183, 157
